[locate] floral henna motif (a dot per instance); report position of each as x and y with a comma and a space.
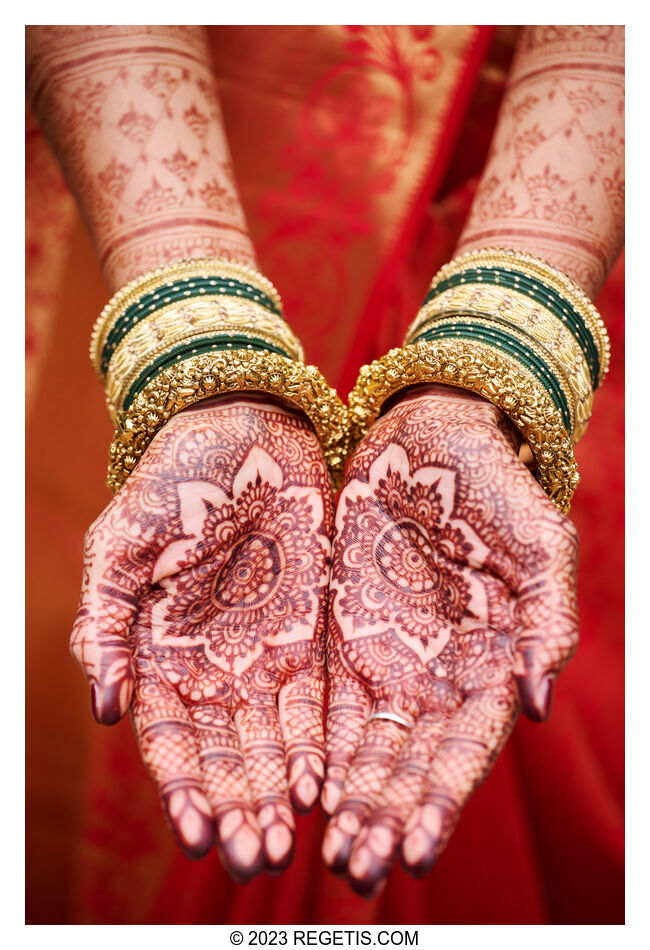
410, 571
452, 602
204, 594
133, 115
554, 180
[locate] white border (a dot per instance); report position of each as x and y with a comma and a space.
637, 458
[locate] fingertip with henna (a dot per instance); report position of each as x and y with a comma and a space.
372, 856
240, 874
191, 822
109, 704
367, 891
305, 790
422, 867
275, 867
330, 795
242, 859
339, 840
536, 695
421, 848
279, 847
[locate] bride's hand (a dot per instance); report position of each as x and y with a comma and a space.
203, 610
452, 603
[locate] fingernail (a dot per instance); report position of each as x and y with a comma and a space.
192, 828
546, 695
93, 701
536, 696
106, 704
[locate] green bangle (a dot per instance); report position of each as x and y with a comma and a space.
191, 348
170, 293
478, 330
538, 291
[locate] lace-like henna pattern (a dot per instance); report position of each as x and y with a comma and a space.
452, 602
554, 181
134, 117
203, 599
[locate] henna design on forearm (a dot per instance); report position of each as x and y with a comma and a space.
554, 181
452, 601
133, 115
205, 585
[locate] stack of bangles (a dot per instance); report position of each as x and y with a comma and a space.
193, 330
516, 331
499, 323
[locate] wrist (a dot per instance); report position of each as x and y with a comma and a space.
443, 398
256, 400
438, 393
188, 241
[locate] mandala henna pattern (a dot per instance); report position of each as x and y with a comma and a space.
205, 584
452, 602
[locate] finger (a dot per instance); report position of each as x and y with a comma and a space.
370, 768
260, 735
473, 739
300, 706
377, 844
239, 839
348, 710
109, 602
168, 745
547, 617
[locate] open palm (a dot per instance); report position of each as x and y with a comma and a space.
452, 602
202, 610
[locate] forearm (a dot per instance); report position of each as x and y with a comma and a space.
553, 184
133, 115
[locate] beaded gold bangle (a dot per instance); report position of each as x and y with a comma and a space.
196, 329
532, 277
516, 312
488, 372
537, 360
178, 281
211, 374
234, 323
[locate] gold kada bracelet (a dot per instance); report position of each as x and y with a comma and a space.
201, 377
488, 373
198, 329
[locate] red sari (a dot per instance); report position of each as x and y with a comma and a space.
357, 151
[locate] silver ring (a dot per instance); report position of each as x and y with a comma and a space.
393, 718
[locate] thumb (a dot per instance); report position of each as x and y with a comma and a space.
547, 616
99, 641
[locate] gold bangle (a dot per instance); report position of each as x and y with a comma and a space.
519, 312
156, 280
489, 373
207, 375
553, 369
183, 322
535, 267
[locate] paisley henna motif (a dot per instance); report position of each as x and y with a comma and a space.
203, 609
452, 602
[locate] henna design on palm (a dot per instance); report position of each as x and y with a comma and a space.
452, 604
202, 608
